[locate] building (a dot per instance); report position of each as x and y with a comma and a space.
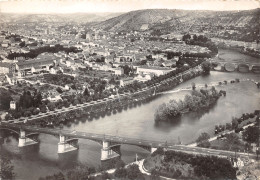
6, 68
152, 70
118, 71
143, 78
124, 82
34, 65
12, 105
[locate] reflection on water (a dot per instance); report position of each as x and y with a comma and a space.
136, 121
167, 126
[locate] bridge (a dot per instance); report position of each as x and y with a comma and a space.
68, 141
236, 66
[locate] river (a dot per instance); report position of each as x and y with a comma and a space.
138, 122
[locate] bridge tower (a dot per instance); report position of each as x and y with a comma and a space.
109, 151
67, 145
24, 140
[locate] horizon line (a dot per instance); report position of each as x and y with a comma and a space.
97, 12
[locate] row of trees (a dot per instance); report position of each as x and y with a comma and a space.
34, 53
171, 54
235, 122
197, 100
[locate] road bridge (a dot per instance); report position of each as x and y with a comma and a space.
68, 141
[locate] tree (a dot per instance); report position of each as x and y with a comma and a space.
228, 126
186, 37
234, 123
203, 140
206, 67
120, 164
133, 171
22, 44
195, 37
105, 176
154, 175
251, 134
6, 170
5, 99
86, 92
59, 90
43, 108
232, 140
120, 173
51, 106
193, 85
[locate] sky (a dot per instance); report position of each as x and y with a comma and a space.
91, 6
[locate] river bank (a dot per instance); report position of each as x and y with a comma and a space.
117, 104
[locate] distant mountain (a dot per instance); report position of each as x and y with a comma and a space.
75, 17
166, 19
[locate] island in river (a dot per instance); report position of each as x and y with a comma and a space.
202, 99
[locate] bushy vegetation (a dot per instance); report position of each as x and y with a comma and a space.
78, 173
6, 170
132, 172
194, 102
200, 41
34, 53
201, 167
58, 79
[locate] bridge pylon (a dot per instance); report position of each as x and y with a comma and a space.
24, 140
67, 145
109, 151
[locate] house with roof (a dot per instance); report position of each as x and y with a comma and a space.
6, 68
143, 77
118, 71
152, 70
126, 81
34, 65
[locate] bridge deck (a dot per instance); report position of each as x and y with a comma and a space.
130, 141
90, 136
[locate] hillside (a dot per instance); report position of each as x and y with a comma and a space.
54, 18
165, 19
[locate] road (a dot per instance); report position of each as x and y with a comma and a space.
207, 151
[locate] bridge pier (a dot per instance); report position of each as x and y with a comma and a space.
153, 149
107, 152
67, 145
25, 141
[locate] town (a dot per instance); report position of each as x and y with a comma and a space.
84, 82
